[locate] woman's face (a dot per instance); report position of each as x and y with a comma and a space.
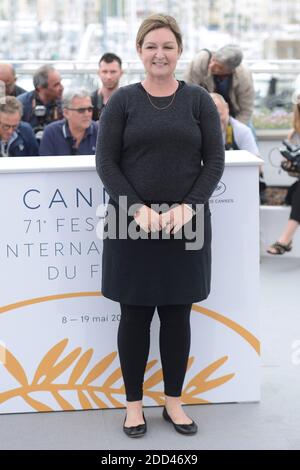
159, 53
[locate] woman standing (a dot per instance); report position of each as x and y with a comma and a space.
159, 141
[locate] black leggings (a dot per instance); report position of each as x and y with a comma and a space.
134, 344
294, 194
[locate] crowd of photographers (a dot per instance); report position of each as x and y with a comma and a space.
49, 121
64, 123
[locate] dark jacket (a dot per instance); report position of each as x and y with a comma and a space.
97, 102
23, 142
18, 91
29, 100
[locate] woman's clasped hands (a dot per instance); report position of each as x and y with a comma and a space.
171, 221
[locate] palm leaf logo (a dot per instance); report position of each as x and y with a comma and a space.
85, 383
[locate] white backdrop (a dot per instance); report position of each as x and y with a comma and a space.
58, 334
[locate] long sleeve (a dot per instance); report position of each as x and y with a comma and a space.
244, 94
109, 151
25, 99
244, 137
197, 69
212, 151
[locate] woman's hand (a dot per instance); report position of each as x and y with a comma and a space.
148, 219
176, 218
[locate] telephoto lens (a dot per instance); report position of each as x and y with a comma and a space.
40, 110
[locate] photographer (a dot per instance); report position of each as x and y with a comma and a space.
222, 72
43, 104
76, 134
284, 242
16, 137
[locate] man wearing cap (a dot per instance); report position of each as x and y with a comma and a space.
222, 72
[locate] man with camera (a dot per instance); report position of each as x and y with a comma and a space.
43, 104
76, 134
16, 138
222, 72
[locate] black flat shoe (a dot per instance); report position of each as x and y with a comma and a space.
187, 429
135, 431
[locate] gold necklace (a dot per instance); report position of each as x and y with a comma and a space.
164, 107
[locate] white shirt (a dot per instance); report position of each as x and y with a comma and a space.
243, 136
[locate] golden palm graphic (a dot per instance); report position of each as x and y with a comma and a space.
54, 364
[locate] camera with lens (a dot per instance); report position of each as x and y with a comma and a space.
292, 155
40, 112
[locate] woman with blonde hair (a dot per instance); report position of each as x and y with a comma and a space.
159, 142
294, 134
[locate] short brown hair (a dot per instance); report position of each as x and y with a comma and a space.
157, 21
11, 105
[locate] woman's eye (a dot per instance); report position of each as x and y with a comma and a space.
153, 47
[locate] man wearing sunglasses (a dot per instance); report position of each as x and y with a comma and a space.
76, 134
16, 137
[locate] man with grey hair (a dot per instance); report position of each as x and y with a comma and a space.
76, 134
16, 137
43, 104
222, 72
